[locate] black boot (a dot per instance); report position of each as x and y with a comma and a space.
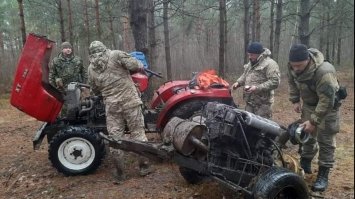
306, 165
322, 179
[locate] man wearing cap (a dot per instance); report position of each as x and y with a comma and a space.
260, 78
312, 88
66, 68
109, 75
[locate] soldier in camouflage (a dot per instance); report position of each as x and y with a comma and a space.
109, 75
66, 68
260, 78
312, 87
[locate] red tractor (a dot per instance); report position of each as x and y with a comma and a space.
75, 146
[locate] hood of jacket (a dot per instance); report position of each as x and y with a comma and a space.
99, 56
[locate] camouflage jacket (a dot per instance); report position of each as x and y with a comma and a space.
265, 75
69, 69
111, 77
321, 99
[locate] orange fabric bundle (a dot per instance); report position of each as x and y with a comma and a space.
208, 77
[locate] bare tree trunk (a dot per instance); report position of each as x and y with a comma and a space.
334, 41
138, 22
327, 50
271, 38
277, 29
110, 19
61, 20
1, 43
257, 20
167, 39
222, 28
246, 27
253, 21
152, 45
339, 44
321, 32
98, 24
70, 23
22, 20
152, 55
126, 43
86, 21
1, 55
303, 28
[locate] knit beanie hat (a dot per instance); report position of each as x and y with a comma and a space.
298, 52
66, 45
255, 48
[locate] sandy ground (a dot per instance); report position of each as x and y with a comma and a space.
25, 173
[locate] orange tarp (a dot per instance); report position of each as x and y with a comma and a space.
208, 77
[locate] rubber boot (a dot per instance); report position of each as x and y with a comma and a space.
306, 165
321, 183
144, 166
118, 169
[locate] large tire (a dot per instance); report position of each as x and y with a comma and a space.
187, 109
190, 175
278, 182
76, 151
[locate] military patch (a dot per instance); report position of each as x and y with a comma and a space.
327, 90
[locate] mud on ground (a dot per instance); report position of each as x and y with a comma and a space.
25, 173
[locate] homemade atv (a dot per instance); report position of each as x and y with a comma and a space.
75, 146
206, 138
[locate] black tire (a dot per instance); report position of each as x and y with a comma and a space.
191, 176
76, 151
278, 182
187, 109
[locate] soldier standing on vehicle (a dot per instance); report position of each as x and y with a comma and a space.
109, 75
260, 78
312, 87
66, 68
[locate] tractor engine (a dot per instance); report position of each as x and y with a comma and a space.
233, 144
239, 140
90, 110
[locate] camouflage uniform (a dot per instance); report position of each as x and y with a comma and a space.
109, 74
317, 107
265, 75
67, 69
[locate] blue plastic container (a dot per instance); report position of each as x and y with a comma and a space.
141, 57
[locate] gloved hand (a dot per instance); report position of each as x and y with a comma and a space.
59, 82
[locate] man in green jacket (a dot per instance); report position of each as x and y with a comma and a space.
312, 89
260, 78
66, 68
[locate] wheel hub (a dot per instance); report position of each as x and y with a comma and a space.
76, 153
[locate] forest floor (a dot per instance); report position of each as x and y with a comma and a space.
25, 173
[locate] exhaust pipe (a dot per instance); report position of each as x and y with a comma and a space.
261, 123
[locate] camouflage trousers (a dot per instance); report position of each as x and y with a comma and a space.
117, 119
323, 141
263, 110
